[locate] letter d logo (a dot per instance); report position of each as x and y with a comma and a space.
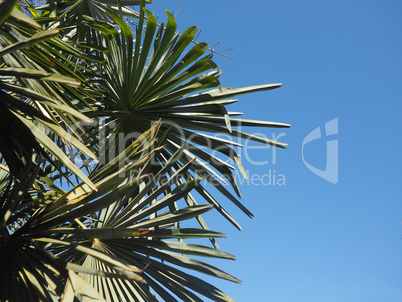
330, 173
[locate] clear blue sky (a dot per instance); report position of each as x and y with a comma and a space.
312, 240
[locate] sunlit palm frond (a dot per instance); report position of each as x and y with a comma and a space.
91, 88
63, 233
163, 76
34, 92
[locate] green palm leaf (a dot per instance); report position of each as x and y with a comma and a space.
154, 80
95, 87
63, 233
28, 86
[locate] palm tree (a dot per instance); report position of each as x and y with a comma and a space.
105, 134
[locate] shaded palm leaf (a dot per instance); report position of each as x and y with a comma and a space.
31, 107
66, 232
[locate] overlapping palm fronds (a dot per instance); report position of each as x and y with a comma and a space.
55, 234
34, 89
149, 106
152, 79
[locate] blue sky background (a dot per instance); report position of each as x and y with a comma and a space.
312, 240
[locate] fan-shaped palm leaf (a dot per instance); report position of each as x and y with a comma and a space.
119, 234
60, 233
154, 79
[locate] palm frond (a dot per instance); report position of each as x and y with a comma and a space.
153, 79
69, 232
